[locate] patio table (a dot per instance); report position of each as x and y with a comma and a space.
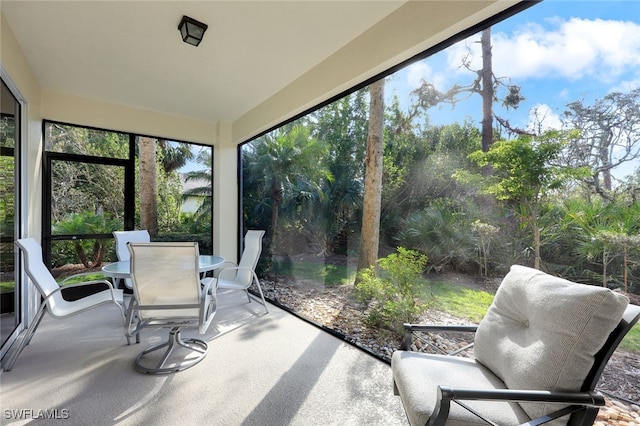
122, 268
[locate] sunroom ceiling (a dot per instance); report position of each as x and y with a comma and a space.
254, 54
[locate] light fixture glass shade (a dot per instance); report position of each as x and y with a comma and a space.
192, 31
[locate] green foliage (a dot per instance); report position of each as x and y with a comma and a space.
7, 203
523, 172
525, 168
443, 232
88, 252
170, 200
393, 290
205, 244
631, 341
600, 240
203, 193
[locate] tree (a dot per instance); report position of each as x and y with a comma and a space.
485, 84
524, 173
287, 162
202, 192
610, 136
148, 185
370, 235
172, 156
337, 215
606, 234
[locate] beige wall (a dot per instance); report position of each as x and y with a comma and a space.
15, 65
225, 188
89, 112
44, 104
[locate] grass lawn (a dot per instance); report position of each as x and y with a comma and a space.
7, 286
459, 301
473, 304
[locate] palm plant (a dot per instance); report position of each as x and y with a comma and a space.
286, 167
606, 234
442, 233
202, 192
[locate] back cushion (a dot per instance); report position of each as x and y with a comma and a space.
542, 332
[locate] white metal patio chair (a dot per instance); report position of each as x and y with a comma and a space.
242, 275
168, 293
538, 355
122, 251
52, 296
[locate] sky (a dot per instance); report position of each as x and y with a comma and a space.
557, 51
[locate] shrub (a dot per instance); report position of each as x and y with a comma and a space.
392, 290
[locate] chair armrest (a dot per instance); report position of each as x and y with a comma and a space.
235, 268
409, 329
576, 400
206, 284
220, 270
83, 284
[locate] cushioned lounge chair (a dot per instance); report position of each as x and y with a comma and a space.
537, 357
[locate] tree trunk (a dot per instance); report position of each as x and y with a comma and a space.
373, 179
148, 185
487, 90
537, 261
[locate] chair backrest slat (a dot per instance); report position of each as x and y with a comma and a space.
124, 237
35, 267
38, 272
165, 274
250, 255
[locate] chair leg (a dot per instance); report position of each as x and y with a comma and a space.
24, 340
175, 341
264, 302
127, 323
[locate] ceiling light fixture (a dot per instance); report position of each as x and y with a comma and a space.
191, 30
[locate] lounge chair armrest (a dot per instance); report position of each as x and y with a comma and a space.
576, 400
518, 395
409, 329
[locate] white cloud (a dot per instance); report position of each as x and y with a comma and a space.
542, 118
627, 85
422, 71
576, 48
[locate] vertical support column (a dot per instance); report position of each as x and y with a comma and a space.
225, 194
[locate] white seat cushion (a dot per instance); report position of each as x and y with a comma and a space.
542, 332
417, 376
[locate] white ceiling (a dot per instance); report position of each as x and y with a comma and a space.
131, 53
